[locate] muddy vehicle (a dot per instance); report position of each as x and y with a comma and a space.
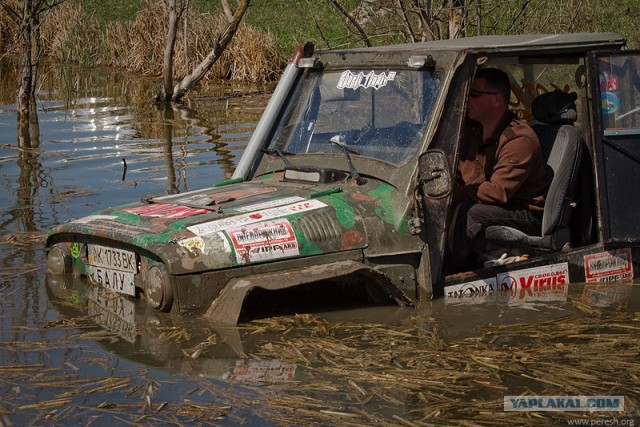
346, 183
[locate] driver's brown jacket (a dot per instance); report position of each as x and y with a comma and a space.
508, 166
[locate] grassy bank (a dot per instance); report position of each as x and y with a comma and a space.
290, 22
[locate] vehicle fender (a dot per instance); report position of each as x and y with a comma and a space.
226, 308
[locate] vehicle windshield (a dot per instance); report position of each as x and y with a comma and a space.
377, 113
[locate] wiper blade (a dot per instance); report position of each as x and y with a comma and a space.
337, 141
281, 154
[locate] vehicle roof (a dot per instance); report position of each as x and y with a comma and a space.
550, 43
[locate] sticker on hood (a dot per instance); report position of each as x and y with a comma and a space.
269, 204
90, 218
163, 210
212, 199
251, 218
264, 241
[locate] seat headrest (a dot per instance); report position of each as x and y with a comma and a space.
555, 107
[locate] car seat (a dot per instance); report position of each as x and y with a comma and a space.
562, 148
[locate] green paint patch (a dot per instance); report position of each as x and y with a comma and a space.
386, 209
345, 213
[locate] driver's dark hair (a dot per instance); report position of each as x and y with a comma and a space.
497, 80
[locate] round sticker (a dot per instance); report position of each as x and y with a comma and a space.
610, 102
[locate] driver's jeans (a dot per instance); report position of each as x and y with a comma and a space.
470, 219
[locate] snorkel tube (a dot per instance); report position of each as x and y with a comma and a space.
247, 163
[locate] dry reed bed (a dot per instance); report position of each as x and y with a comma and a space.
70, 35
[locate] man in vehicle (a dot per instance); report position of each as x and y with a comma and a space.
501, 178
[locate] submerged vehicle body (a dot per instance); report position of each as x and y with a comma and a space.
348, 180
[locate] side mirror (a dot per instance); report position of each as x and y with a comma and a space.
435, 174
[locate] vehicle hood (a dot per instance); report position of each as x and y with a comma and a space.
238, 224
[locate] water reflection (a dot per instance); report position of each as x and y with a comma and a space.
66, 163
188, 345
69, 158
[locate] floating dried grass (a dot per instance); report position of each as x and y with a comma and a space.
173, 334
462, 381
26, 239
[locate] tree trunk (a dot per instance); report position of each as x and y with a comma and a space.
167, 66
353, 21
456, 19
27, 18
25, 84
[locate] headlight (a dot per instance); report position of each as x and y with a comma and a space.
59, 259
157, 288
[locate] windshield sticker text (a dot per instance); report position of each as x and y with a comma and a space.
349, 80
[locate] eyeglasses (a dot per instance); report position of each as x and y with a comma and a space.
477, 93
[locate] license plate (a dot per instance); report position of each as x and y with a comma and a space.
113, 312
114, 280
112, 258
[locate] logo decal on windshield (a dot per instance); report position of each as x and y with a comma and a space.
348, 80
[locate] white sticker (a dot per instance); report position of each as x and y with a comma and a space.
476, 287
545, 283
192, 244
90, 218
251, 218
269, 204
206, 244
612, 266
264, 241
349, 80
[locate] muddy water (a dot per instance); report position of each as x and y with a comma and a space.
70, 354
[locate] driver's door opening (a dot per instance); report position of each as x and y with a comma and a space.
552, 98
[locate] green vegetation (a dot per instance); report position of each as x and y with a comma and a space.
290, 22
131, 33
106, 12
295, 22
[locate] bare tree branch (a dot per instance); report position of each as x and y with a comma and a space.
405, 20
227, 10
355, 23
13, 14
219, 46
